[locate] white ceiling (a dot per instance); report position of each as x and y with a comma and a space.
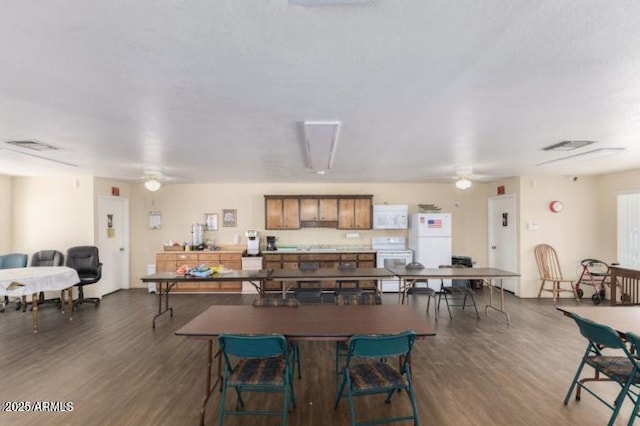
216, 90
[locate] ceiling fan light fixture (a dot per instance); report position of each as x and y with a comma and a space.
463, 183
152, 184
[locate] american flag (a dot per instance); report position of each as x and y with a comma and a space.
434, 223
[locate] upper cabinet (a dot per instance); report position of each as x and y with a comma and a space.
318, 211
282, 213
355, 213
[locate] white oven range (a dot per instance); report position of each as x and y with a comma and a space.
391, 251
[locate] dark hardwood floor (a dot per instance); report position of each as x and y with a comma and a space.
117, 370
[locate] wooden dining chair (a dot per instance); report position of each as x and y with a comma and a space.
550, 272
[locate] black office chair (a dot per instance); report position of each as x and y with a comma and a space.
47, 258
417, 290
457, 295
85, 260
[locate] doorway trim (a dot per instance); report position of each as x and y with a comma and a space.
512, 235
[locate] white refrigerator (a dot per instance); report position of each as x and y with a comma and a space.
430, 241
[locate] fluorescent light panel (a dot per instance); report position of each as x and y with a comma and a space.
583, 156
567, 145
321, 139
325, 2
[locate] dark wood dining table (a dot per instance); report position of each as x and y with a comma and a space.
307, 322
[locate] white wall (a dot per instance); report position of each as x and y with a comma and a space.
183, 205
52, 213
60, 212
574, 232
5, 214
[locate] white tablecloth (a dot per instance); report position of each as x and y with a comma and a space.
36, 279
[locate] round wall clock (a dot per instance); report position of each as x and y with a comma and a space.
556, 206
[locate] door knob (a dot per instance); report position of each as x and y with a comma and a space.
493, 247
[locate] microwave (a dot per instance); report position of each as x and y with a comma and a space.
390, 216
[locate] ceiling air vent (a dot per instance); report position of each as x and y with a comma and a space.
33, 145
567, 145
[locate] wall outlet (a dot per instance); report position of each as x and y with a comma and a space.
533, 226
352, 235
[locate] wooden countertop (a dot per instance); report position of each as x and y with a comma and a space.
234, 251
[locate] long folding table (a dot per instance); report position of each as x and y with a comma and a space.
308, 322
409, 276
167, 280
289, 277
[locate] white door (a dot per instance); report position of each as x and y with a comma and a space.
113, 243
502, 237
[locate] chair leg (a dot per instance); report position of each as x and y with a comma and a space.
435, 311
295, 358
81, 299
473, 300
223, 398
352, 410
541, 288
446, 301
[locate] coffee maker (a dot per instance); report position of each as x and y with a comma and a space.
271, 243
253, 243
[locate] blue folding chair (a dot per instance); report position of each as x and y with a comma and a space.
617, 365
351, 299
255, 364
367, 372
279, 302
634, 339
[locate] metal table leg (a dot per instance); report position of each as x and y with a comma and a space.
168, 286
492, 306
211, 388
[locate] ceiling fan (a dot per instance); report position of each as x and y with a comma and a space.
464, 177
153, 179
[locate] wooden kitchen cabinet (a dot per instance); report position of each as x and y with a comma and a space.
170, 262
319, 212
286, 212
355, 213
282, 213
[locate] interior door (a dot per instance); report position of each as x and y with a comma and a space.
502, 237
113, 243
